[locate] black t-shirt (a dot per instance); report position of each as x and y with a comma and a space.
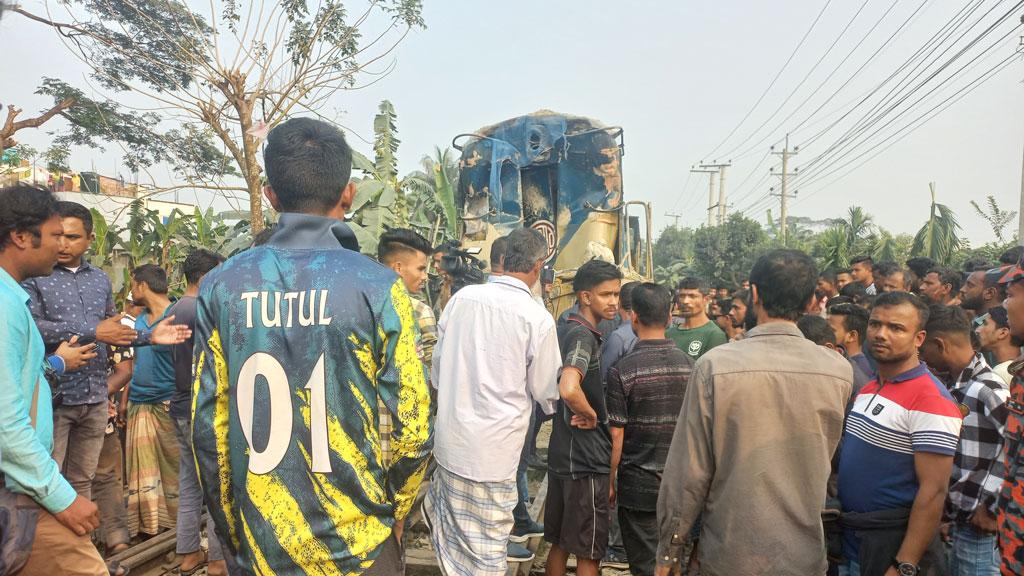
184, 312
574, 453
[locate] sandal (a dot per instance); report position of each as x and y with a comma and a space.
116, 569
177, 570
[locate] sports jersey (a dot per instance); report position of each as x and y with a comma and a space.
912, 412
295, 341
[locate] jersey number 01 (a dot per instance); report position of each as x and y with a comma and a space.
281, 412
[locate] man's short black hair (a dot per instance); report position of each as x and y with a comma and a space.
498, 248
625, 295
999, 316
828, 275
864, 258
308, 164
154, 277
948, 320
652, 303
743, 295
921, 265
885, 268
399, 240
839, 300
724, 306
816, 329
76, 210
785, 281
852, 290
24, 208
198, 263
692, 283
948, 276
855, 318
847, 271
977, 265
593, 273
1011, 256
890, 299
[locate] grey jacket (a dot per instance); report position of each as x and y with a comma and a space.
752, 451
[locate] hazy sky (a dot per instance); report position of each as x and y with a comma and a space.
678, 77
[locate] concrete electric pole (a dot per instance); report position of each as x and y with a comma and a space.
675, 217
784, 194
721, 188
711, 193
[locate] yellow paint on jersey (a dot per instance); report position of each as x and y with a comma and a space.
283, 514
221, 424
259, 562
348, 451
372, 435
362, 534
413, 398
367, 363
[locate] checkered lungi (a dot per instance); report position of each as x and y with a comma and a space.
470, 523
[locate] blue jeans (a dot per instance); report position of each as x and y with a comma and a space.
190, 499
851, 568
974, 553
521, 513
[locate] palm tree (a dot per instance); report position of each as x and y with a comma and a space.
939, 238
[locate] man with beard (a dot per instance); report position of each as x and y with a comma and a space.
698, 333
898, 447
738, 312
941, 286
981, 292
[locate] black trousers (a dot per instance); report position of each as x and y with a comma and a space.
640, 538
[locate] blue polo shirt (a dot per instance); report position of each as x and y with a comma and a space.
25, 457
153, 370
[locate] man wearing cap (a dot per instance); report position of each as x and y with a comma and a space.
1010, 518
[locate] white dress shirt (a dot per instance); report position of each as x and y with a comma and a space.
496, 354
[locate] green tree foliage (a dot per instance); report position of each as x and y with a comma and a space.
996, 217
215, 76
725, 254
939, 238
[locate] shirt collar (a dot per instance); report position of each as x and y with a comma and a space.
972, 371
81, 267
776, 329
510, 281
920, 370
575, 317
653, 344
7, 281
306, 231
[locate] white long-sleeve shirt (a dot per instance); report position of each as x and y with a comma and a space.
496, 354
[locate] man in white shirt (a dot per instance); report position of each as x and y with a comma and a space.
496, 354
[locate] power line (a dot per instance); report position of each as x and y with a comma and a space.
911, 127
839, 67
859, 133
954, 21
806, 77
774, 80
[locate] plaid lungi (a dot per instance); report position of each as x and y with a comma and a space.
470, 523
153, 461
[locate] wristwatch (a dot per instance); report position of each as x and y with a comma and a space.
905, 568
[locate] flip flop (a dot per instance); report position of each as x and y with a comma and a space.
116, 569
194, 569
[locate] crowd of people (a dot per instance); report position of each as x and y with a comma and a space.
862, 422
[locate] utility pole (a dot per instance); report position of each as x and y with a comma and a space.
784, 194
676, 218
721, 187
711, 193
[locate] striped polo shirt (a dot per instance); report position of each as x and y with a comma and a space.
889, 422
